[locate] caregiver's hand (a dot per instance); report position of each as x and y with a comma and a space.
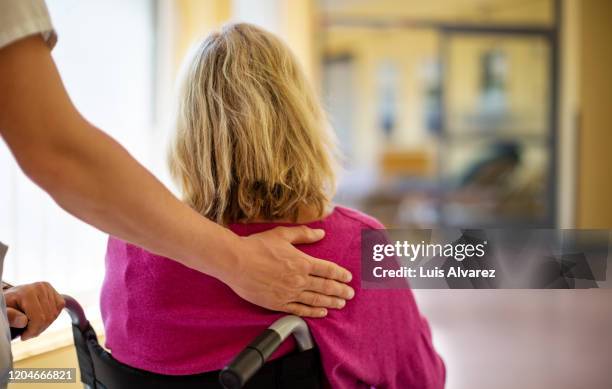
273, 274
34, 305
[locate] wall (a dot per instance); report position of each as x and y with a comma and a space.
569, 107
594, 203
194, 19
292, 20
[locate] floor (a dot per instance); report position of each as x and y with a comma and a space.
528, 339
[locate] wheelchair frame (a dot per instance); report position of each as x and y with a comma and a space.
235, 375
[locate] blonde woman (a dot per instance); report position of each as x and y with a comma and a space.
253, 151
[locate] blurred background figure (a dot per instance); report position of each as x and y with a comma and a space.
470, 113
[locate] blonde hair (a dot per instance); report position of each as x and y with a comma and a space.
251, 139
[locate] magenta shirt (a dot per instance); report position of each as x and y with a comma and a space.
163, 317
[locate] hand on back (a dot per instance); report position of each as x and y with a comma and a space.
273, 274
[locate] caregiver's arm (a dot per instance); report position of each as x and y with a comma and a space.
91, 176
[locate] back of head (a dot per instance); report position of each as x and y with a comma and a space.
251, 140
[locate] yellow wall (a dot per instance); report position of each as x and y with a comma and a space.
569, 106
595, 136
194, 19
538, 12
298, 30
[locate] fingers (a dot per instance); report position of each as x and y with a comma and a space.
33, 308
40, 303
55, 300
330, 270
320, 268
304, 310
298, 235
60, 303
320, 300
16, 318
330, 288
280, 277
49, 304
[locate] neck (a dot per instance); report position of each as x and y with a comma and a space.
306, 214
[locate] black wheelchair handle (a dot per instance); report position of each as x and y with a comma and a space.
77, 315
240, 370
250, 360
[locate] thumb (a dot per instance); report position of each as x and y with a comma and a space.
17, 319
301, 234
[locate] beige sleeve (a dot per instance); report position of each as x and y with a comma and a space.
22, 18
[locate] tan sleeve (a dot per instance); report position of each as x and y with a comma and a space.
22, 18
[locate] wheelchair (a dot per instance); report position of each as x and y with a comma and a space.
299, 370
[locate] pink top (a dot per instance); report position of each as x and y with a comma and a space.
163, 317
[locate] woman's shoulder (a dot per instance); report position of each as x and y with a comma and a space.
122, 253
358, 218
116, 243
117, 248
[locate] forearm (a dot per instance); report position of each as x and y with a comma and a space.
95, 179
88, 173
